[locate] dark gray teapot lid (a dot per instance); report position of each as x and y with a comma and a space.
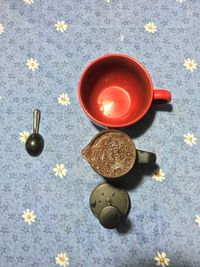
109, 204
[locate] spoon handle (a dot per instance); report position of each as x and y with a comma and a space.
36, 120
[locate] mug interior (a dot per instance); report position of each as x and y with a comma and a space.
115, 91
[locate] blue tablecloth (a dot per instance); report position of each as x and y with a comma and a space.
44, 205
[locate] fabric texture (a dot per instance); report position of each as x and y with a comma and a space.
44, 201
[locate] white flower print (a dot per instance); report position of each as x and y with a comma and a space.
197, 219
61, 26
29, 2
161, 259
158, 175
190, 64
190, 139
62, 259
150, 27
1, 28
63, 99
121, 38
23, 136
60, 170
28, 216
32, 64
180, 1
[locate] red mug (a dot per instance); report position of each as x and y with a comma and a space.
116, 91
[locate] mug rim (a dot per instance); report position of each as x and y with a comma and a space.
112, 125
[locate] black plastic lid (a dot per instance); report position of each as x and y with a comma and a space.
109, 204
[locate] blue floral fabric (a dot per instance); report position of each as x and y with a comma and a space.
44, 201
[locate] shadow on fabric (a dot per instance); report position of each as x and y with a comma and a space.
125, 226
140, 127
134, 177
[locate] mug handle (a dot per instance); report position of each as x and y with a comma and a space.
161, 96
144, 157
